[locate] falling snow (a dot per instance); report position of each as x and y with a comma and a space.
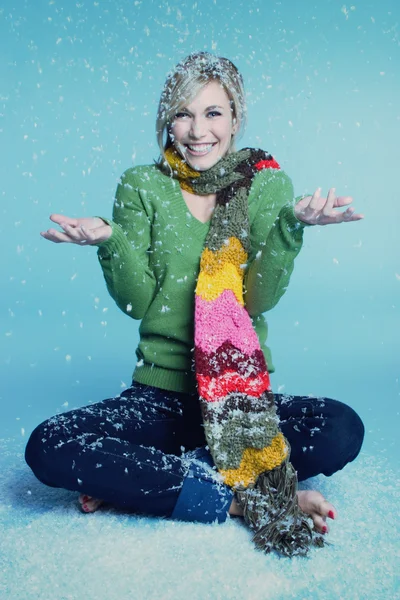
79, 94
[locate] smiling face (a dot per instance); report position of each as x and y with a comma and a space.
202, 131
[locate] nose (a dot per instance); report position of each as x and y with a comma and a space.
197, 129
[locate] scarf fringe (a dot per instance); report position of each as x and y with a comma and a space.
271, 509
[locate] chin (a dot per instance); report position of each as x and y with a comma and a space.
198, 167
202, 164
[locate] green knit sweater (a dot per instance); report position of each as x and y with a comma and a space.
151, 262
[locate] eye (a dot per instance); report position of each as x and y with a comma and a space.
213, 113
181, 115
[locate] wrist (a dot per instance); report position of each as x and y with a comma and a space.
291, 220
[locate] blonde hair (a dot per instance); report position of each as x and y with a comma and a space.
186, 81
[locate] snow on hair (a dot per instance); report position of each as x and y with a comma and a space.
185, 82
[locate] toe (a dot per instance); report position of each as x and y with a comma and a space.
92, 505
326, 509
83, 498
319, 523
96, 503
89, 504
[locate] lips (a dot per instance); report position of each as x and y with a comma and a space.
200, 149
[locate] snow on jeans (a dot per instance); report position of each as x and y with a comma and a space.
145, 450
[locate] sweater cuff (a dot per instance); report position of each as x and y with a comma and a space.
203, 496
116, 243
292, 223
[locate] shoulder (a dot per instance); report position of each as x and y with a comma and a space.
142, 177
142, 187
273, 178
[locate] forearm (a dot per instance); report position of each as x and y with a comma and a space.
269, 273
129, 279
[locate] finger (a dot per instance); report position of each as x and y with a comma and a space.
350, 215
339, 217
315, 199
328, 207
302, 204
342, 201
80, 234
74, 233
56, 236
347, 215
63, 219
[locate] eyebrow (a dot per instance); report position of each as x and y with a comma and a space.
213, 107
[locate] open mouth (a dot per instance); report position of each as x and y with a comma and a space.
199, 149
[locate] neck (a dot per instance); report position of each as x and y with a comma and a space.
204, 183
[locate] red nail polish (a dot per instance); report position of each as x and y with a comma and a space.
324, 529
84, 506
331, 515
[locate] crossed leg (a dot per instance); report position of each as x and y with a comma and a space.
310, 501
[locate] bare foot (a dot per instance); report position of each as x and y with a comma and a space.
311, 502
89, 504
314, 504
235, 509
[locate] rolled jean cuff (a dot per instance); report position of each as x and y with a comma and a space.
203, 496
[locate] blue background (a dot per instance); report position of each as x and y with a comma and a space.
79, 87
80, 83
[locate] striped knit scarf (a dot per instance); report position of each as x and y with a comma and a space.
240, 421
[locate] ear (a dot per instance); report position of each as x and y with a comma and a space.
235, 127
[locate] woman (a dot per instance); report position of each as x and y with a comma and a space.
145, 450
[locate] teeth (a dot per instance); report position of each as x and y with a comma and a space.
200, 147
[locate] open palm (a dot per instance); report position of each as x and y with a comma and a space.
316, 210
85, 231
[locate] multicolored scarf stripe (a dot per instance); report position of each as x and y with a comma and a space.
230, 367
239, 415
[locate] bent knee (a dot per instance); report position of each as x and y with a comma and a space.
350, 430
356, 430
37, 450
351, 423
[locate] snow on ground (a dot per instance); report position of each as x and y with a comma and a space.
49, 550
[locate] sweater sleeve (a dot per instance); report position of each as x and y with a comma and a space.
124, 257
277, 238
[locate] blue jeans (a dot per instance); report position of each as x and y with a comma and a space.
145, 450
